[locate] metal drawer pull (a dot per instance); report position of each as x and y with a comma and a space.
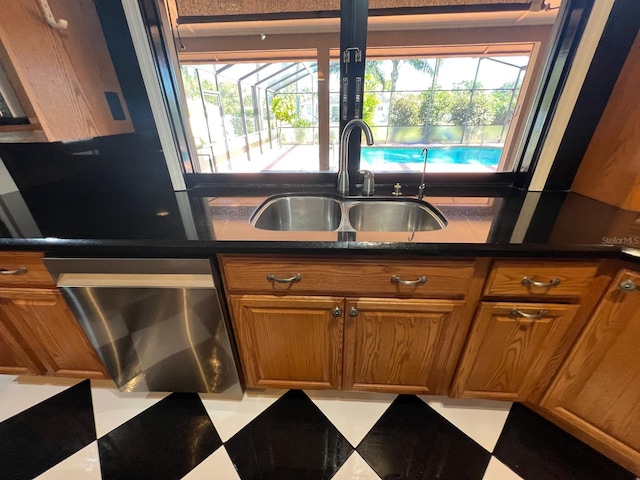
628, 286
296, 278
336, 312
17, 271
419, 281
530, 316
353, 312
526, 281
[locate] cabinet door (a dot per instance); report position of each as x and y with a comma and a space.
509, 348
597, 392
289, 342
14, 360
397, 345
48, 327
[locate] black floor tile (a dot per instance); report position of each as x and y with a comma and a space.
536, 449
291, 440
412, 441
166, 441
42, 436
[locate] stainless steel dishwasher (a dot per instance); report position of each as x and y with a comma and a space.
156, 324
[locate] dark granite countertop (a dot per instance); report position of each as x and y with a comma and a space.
201, 223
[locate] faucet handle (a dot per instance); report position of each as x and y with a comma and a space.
368, 183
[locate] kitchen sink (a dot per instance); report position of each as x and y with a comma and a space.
298, 213
305, 212
402, 215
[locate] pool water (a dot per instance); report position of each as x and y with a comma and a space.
488, 156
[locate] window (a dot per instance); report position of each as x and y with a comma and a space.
263, 90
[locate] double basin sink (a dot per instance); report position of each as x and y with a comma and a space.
309, 212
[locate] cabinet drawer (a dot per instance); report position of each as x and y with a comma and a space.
540, 279
325, 276
19, 269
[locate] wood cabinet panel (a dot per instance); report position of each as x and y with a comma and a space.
35, 274
13, 359
394, 345
610, 169
597, 391
292, 342
356, 277
505, 278
507, 355
61, 76
49, 329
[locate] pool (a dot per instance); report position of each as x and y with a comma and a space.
459, 155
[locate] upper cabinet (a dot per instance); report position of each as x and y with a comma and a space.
610, 170
63, 78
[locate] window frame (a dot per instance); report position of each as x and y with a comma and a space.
570, 25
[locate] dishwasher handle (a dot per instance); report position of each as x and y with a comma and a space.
135, 280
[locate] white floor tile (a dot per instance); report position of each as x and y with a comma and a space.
499, 471
482, 420
231, 416
82, 465
352, 413
355, 468
217, 466
17, 393
112, 408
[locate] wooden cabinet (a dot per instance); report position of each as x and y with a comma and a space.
297, 325
64, 79
510, 348
39, 333
596, 394
399, 345
289, 341
516, 344
14, 360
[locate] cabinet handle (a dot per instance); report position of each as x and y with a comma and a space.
628, 286
530, 316
526, 281
419, 281
336, 312
353, 312
296, 278
17, 271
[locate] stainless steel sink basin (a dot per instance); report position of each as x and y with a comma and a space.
325, 213
394, 216
298, 213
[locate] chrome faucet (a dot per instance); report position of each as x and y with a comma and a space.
343, 173
425, 152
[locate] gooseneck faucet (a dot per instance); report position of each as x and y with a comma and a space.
343, 173
425, 152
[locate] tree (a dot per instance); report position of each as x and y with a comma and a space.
231, 106
468, 110
502, 103
405, 111
371, 100
284, 109
418, 64
190, 83
435, 106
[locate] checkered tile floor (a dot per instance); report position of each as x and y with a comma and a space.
59, 429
